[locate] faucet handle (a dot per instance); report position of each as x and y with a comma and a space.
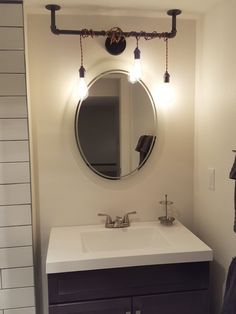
126, 216
108, 218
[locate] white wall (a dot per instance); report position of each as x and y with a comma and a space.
215, 138
66, 192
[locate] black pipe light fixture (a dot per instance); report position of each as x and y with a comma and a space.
115, 44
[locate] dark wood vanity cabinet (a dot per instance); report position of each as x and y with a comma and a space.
158, 289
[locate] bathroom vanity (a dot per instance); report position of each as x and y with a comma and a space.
94, 270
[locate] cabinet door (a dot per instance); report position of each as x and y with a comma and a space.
113, 306
196, 302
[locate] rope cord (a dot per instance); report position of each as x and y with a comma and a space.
81, 51
166, 40
116, 34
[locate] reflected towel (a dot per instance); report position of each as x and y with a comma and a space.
143, 146
232, 175
229, 304
144, 143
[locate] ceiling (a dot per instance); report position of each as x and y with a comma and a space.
143, 7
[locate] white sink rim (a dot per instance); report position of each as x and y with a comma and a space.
66, 251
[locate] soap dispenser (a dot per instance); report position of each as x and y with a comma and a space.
166, 220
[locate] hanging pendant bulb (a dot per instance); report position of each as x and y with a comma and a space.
165, 91
136, 71
82, 86
166, 75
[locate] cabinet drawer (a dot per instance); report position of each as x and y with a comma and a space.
114, 306
194, 302
128, 281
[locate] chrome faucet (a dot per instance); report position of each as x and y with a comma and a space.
119, 222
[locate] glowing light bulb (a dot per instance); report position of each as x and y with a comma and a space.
82, 89
82, 86
136, 71
165, 94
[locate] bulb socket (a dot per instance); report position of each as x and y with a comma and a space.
137, 53
166, 77
82, 71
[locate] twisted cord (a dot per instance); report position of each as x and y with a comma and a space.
81, 50
116, 34
166, 41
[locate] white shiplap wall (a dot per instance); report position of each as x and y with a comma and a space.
16, 257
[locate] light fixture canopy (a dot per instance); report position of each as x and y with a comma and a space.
115, 43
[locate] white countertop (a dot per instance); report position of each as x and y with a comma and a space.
77, 248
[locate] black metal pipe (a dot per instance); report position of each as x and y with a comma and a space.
53, 8
84, 32
173, 13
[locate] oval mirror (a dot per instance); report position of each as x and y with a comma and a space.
115, 126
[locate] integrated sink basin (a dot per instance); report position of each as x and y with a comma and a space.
123, 239
78, 248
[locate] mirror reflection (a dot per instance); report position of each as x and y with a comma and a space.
115, 126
